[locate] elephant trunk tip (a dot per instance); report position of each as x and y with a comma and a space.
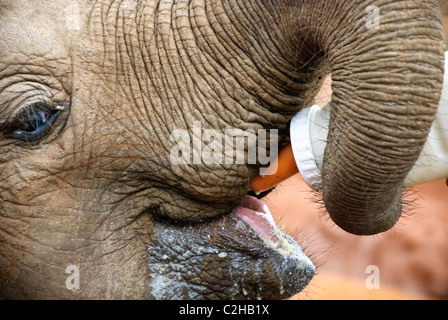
364, 217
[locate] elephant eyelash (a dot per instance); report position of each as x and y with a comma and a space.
34, 123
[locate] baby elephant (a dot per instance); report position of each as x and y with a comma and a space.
121, 174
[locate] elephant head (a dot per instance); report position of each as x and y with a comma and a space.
92, 91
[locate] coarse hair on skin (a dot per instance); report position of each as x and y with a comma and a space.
409, 201
309, 240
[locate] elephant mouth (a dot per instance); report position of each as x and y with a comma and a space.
257, 215
245, 246
292, 266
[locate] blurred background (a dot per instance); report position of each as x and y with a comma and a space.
412, 258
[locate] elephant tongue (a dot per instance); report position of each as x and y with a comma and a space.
256, 214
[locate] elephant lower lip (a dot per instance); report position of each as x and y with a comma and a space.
257, 215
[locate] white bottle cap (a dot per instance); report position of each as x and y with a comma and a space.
308, 131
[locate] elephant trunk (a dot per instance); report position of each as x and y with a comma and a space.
386, 61
386, 86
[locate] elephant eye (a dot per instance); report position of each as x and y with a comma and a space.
34, 123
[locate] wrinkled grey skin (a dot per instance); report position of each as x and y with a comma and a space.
98, 191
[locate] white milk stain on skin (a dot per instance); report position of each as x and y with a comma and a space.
288, 248
293, 268
284, 246
167, 277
